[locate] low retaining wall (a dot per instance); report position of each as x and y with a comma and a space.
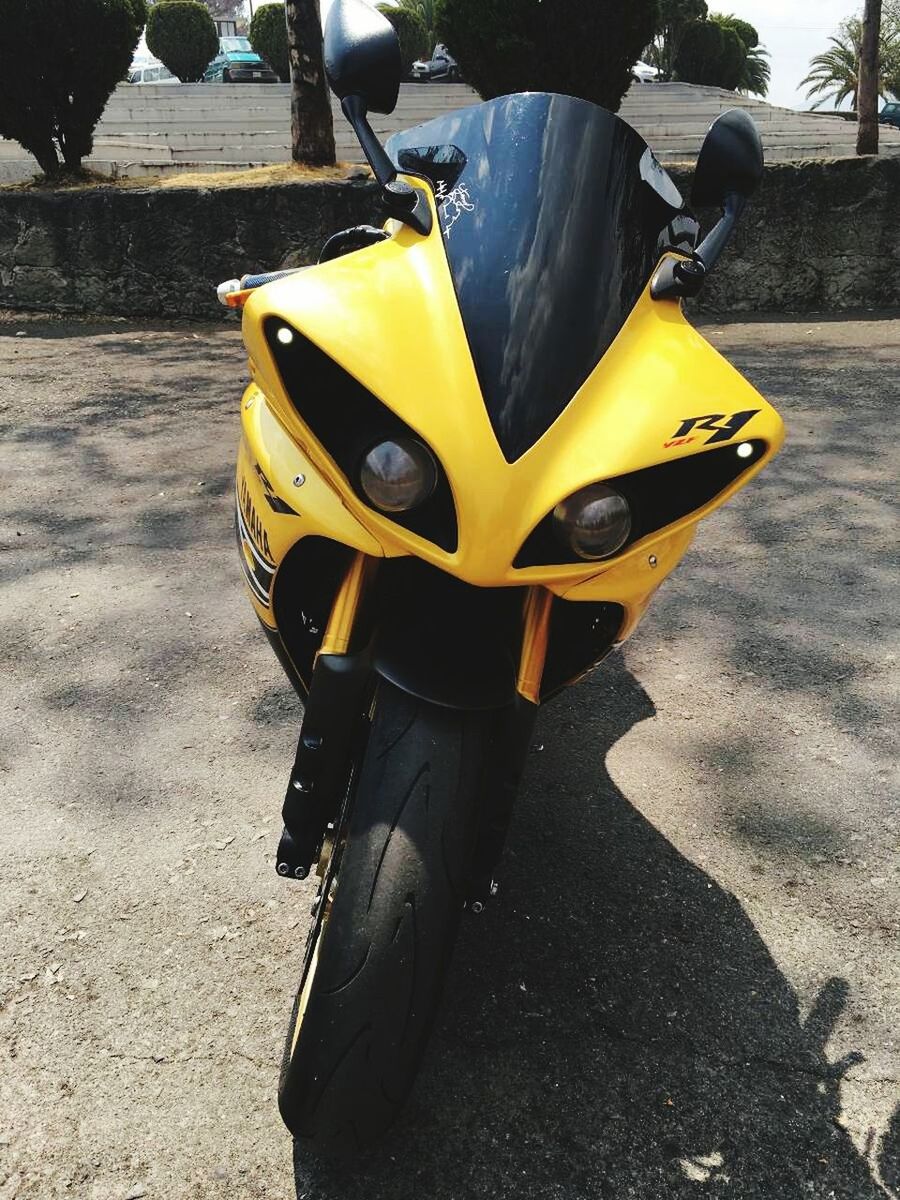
162, 251
819, 237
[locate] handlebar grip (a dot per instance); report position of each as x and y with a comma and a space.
248, 282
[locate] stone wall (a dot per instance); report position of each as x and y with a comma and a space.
819, 237
162, 251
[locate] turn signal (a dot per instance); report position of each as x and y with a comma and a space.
594, 523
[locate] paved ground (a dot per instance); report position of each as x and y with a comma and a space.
689, 984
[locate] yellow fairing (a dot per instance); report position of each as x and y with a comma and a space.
388, 315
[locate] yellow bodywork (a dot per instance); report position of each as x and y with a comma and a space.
388, 315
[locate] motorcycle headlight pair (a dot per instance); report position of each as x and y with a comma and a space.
399, 474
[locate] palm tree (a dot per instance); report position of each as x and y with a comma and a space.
835, 72
757, 72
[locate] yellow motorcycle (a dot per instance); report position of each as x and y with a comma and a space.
476, 441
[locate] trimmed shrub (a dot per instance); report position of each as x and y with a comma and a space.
182, 34
711, 54
582, 48
59, 64
411, 32
268, 37
745, 31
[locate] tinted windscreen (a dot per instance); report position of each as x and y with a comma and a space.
554, 214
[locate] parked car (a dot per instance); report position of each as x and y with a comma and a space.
238, 62
890, 114
642, 72
442, 65
151, 73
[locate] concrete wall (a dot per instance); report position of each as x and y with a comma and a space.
820, 237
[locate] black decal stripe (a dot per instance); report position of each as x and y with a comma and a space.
257, 553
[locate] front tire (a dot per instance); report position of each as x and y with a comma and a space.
388, 912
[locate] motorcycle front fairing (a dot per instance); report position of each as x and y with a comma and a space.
519, 341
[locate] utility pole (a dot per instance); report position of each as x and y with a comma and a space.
867, 99
312, 130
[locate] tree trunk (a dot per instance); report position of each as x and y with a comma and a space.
312, 131
44, 150
867, 103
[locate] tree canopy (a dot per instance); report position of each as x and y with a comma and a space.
581, 48
59, 64
182, 35
268, 37
675, 17
411, 33
834, 74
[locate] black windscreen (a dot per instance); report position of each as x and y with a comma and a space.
554, 214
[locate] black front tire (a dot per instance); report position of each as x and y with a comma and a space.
389, 913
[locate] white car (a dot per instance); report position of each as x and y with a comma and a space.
151, 73
442, 65
642, 72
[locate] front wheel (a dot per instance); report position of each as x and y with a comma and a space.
392, 893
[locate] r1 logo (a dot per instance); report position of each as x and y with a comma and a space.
711, 424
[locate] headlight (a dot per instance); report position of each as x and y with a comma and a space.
398, 475
594, 523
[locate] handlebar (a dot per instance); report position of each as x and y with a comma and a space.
232, 292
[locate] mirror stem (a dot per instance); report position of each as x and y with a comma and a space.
710, 249
404, 202
354, 109
681, 278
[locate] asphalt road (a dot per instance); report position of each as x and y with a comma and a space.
690, 982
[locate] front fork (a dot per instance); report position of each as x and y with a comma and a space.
336, 705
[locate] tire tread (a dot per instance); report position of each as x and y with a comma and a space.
396, 909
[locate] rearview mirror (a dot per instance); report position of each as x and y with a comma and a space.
729, 170
363, 65
362, 55
730, 162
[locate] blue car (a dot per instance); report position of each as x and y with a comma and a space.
238, 62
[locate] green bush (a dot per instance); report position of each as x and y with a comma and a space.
674, 18
712, 54
582, 48
182, 34
755, 72
745, 31
268, 36
59, 63
411, 31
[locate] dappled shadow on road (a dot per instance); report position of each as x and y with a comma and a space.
615, 1025
800, 575
889, 1154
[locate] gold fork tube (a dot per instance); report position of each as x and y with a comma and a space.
535, 636
345, 609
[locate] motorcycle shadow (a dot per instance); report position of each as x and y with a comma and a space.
613, 1025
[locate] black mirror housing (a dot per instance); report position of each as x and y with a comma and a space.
729, 170
362, 55
730, 162
364, 67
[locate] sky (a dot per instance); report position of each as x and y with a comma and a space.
793, 31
